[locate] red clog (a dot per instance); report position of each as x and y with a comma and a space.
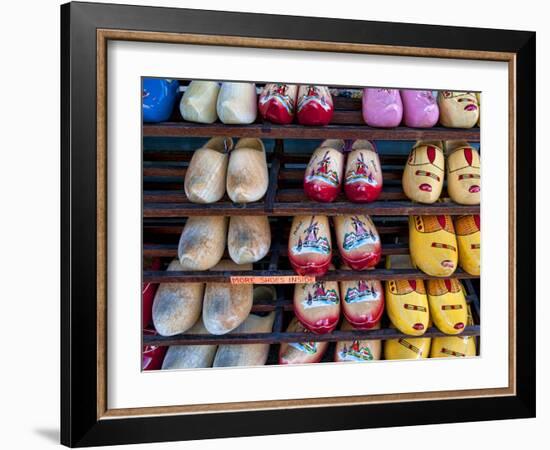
323, 175
363, 179
310, 245
315, 105
358, 241
317, 305
362, 302
153, 355
277, 102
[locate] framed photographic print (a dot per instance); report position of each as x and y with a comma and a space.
272, 224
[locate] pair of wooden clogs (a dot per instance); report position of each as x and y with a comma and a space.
436, 248
438, 347
224, 306
313, 351
425, 169
412, 303
312, 105
317, 305
233, 103
218, 166
386, 108
200, 356
310, 244
325, 172
202, 241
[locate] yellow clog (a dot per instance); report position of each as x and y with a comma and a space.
454, 346
406, 300
447, 305
407, 348
468, 236
433, 245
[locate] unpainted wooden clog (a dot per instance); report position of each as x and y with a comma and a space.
198, 103
177, 306
205, 176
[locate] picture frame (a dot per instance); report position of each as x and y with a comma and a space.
86, 28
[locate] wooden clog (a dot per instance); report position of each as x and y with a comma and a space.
424, 172
247, 177
420, 108
177, 306
158, 99
152, 355
463, 173
301, 352
358, 241
248, 239
205, 176
277, 102
406, 300
317, 305
310, 245
432, 244
457, 109
362, 302
454, 346
148, 291
407, 348
226, 305
382, 108
447, 305
237, 103
198, 103
314, 106
190, 356
202, 242
363, 179
323, 174
468, 237
358, 351
246, 354
478, 97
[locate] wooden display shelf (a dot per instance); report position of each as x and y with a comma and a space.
150, 276
268, 130
284, 308
347, 123
283, 336
166, 206
165, 197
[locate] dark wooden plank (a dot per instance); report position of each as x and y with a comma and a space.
334, 275
273, 177
171, 251
378, 208
276, 337
267, 130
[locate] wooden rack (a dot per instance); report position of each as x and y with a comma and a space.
165, 208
